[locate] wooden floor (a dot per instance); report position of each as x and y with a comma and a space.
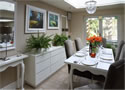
59, 81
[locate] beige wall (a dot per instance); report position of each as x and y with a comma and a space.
9, 75
78, 22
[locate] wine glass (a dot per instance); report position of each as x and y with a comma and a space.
19, 53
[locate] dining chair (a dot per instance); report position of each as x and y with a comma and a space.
78, 44
70, 50
122, 55
114, 80
104, 42
118, 51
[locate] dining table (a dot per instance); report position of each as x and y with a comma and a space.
82, 61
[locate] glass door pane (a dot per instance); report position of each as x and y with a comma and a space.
109, 28
92, 26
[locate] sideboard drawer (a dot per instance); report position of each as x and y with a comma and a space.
55, 58
55, 52
43, 57
54, 68
42, 75
42, 65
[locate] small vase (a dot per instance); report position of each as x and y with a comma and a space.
37, 51
92, 50
93, 55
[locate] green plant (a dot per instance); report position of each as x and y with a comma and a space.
38, 42
59, 40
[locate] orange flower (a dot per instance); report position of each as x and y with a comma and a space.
88, 39
94, 39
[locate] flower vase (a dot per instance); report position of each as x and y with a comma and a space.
92, 51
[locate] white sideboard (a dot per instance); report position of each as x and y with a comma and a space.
40, 66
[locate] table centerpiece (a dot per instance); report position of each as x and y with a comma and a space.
94, 43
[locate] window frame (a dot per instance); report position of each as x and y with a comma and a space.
101, 25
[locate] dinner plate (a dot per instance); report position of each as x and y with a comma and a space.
106, 52
89, 62
80, 54
106, 57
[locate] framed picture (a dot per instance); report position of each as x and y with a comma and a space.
35, 19
53, 20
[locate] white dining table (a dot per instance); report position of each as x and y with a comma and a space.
98, 65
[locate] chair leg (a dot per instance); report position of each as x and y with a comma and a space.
92, 80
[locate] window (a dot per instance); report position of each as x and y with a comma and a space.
92, 26
109, 28
7, 12
103, 25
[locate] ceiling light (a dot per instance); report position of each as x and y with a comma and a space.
91, 6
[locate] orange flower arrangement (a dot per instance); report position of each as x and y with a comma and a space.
94, 42
94, 39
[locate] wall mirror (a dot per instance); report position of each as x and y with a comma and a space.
7, 26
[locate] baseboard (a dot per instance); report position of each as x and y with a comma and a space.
11, 86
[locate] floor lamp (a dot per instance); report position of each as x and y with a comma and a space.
5, 31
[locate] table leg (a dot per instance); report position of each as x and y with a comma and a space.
71, 78
22, 75
18, 76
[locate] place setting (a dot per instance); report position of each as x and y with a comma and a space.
81, 54
106, 56
89, 61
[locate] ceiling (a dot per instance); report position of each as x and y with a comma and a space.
67, 7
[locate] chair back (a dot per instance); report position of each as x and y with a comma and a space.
69, 48
104, 42
78, 44
115, 76
122, 55
118, 51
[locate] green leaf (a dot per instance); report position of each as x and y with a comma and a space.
59, 40
38, 42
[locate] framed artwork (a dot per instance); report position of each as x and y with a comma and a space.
53, 20
35, 19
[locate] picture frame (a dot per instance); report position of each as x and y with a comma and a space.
35, 19
53, 20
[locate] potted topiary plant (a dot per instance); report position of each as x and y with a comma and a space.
38, 43
59, 40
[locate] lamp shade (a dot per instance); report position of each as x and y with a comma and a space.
91, 7
5, 30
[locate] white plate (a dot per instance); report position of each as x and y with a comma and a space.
89, 62
80, 54
106, 57
107, 52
